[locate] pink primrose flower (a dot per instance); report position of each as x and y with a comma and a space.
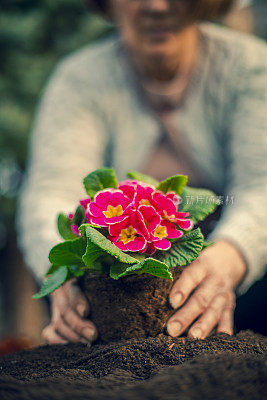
84, 203
128, 188
168, 211
110, 206
128, 235
74, 228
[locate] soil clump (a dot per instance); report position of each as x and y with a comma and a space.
135, 306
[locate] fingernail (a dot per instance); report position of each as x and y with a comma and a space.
84, 341
176, 299
88, 333
81, 309
174, 328
196, 333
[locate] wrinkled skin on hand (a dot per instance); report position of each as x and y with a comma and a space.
69, 307
205, 292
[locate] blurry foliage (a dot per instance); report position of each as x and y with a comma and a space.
34, 35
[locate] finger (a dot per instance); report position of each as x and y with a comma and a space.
188, 281
50, 336
195, 306
78, 301
63, 329
82, 327
226, 322
209, 318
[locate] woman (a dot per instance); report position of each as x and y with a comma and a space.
167, 94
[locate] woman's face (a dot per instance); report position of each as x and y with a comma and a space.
151, 27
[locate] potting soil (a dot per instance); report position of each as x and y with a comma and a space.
219, 367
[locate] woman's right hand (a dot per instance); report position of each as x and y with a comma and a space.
69, 307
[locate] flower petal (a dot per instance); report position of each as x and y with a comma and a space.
161, 202
119, 244
185, 224
94, 210
115, 229
162, 244
151, 217
97, 221
139, 243
102, 198
128, 188
84, 203
118, 198
172, 231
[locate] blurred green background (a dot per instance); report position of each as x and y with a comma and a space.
34, 35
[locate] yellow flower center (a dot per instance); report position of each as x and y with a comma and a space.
113, 211
160, 232
145, 202
127, 235
168, 217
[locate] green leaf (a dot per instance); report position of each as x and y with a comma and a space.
155, 267
68, 253
75, 271
198, 202
175, 183
64, 227
53, 282
93, 252
78, 216
52, 269
100, 179
148, 266
143, 178
184, 250
206, 244
103, 243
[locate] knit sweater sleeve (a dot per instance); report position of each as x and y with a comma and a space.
67, 142
244, 222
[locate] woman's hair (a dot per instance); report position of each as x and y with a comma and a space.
201, 9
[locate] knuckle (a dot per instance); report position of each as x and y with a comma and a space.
57, 325
190, 275
64, 312
45, 332
202, 300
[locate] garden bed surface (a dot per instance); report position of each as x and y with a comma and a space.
219, 367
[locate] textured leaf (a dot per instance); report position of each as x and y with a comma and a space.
184, 250
198, 202
99, 179
156, 268
53, 282
143, 178
175, 183
64, 227
103, 243
78, 216
148, 266
93, 252
206, 244
68, 253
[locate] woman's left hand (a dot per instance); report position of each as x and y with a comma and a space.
212, 278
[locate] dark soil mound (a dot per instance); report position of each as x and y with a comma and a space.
133, 306
220, 367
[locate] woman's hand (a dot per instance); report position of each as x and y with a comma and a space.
69, 306
212, 278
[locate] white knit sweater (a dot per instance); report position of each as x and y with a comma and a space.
91, 114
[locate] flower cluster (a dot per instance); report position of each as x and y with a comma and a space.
138, 217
